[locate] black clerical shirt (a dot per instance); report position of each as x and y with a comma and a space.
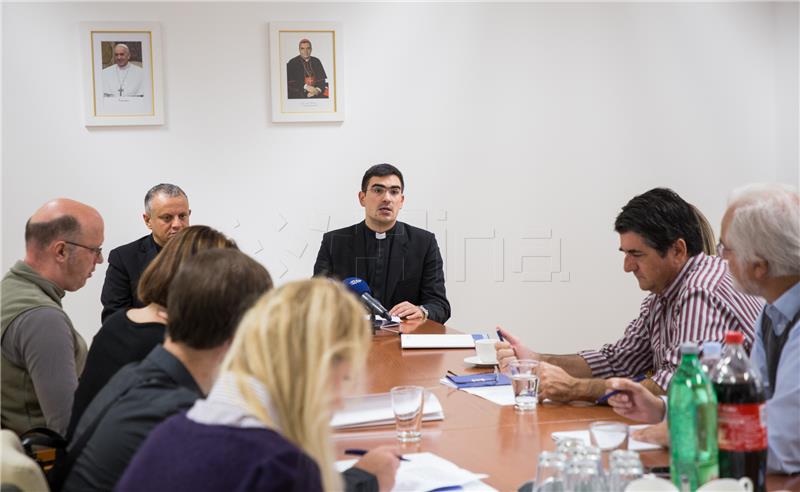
378, 248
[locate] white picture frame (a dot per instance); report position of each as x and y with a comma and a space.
117, 94
299, 91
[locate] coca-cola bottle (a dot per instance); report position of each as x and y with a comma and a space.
741, 415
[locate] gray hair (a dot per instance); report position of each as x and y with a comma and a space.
765, 224
169, 190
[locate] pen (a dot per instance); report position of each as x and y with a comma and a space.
362, 452
500, 336
604, 398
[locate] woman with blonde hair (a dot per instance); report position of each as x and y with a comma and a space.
706, 232
266, 423
129, 335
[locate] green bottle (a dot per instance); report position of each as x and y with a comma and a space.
692, 417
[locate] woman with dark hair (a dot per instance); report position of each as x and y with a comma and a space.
129, 335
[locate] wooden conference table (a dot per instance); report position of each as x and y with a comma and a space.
476, 434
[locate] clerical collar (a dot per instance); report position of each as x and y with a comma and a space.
380, 235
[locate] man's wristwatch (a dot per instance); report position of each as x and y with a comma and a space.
424, 312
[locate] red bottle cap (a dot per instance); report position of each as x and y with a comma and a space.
734, 337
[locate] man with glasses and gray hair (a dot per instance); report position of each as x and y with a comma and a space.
760, 239
401, 263
166, 212
42, 353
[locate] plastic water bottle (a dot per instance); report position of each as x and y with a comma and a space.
712, 352
692, 416
741, 415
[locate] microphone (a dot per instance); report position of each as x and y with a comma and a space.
360, 288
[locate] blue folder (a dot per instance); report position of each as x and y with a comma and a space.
477, 380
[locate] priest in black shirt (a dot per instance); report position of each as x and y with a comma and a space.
401, 263
166, 212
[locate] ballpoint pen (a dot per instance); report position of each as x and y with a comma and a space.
362, 452
604, 398
496, 370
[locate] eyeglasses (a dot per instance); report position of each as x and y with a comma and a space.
98, 251
722, 249
379, 190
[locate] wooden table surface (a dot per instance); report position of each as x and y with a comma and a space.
476, 434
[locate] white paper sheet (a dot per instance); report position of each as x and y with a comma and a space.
501, 395
412, 341
427, 471
376, 409
633, 444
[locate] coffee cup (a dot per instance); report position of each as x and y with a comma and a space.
485, 350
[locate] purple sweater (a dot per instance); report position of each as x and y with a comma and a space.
181, 455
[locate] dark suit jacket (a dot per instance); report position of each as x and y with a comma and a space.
415, 266
125, 266
139, 397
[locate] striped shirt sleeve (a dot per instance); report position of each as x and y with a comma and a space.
628, 356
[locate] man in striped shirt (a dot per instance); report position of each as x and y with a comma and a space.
691, 299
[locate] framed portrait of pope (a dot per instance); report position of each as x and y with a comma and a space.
306, 70
122, 76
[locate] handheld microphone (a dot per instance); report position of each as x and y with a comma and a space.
360, 288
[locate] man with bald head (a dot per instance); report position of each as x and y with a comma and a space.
123, 78
42, 353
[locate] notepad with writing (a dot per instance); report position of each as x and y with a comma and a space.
454, 340
376, 409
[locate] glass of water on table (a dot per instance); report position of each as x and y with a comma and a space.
408, 405
525, 381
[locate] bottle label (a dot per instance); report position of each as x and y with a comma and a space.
742, 427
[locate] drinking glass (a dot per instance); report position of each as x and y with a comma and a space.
608, 435
526, 384
620, 455
623, 472
407, 404
550, 472
582, 476
594, 454
570, 447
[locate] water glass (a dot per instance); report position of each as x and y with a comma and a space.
407, 404
608, 435
550, 472
592, 453
620, 455
525, 382
582, 476
570, 447
623, 472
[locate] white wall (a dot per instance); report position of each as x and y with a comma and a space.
511, 122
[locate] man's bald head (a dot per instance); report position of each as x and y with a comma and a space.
61, 218
63, 242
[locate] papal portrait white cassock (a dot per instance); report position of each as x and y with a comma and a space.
121, 82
